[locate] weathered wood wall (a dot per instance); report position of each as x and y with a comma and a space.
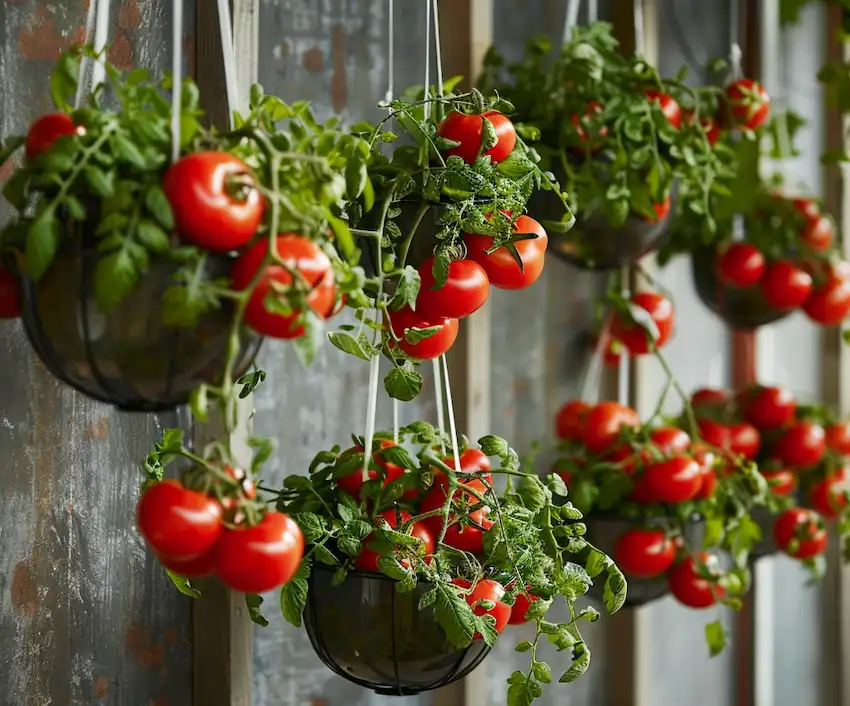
86, 617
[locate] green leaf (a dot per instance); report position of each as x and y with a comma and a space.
581, 661
533, 492
523, 646
308, 345
152, 236
115, 276
614, 593
158, 206
542, 672
348, 344
63, 81
407, 287
390, 567
182, 584
356, 177
100, 182
253, 601
403, 383
293, 599
349, 545
454, 615
324, 555
717, 637
126, 151
556, 485
312, 526
42, 243
538, 609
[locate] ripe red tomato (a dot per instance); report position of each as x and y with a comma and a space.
769, 408
748, 103
428, 348
644, 553
591, 141
436, 496
807, 207
353, 482
196, 568
660, 211
668, 106
571, 420
633, 336
670, 440
487, 590
818, 233
802, 446
708, 399
782, 482
468, 131
717, 434
675, 480
298, 253
689, 588
604, 422
829, 496
740, 265
803, 526
261, 558
215, 200
829, 303
706, 460
464, 292
178, 523
10, 298
367, 560
520, 607
471, 461
501, 267
711, 129
469, 536
786, 286
46, 129
838, 437
744, 440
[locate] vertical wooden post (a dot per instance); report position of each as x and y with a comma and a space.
223, 634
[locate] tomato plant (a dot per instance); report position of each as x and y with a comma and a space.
740, 265
469, 132
786, 286
644, 553
800, 533
769, 408
464, 292
748, 103
502, 266
411, 331
802, 445
688, 585
46, 129
633, 334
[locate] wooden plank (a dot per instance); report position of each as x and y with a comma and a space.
223, 634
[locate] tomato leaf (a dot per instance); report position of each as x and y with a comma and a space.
614, 593
293, 599
581, 661
717, 637
42, 243
349, 545
253, 602
572, 581
407, 288
454, 615
542, 672
348, 344
115, 276
557, 486
182, 584
403, 383
307, 346
158, 206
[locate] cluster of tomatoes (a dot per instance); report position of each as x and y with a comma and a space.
627, 334
467, 285
197, 534
665, 465
813, 281
467, 522
799, 451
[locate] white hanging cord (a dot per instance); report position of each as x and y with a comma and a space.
593, 376
736, 57
438, 395
176, 78
427, 59
438, 53
372, 393
84, 60
225, 25
390, 94
395, 420
570, 19
451, 408
623, 377
592, 11
101, 36
640, 36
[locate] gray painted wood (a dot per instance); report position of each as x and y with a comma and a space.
86, 615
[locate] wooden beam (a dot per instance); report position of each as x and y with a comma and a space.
223, 634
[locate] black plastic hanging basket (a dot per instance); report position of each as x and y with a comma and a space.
593, 243
370, 634
742, 309
603, 531
126, 357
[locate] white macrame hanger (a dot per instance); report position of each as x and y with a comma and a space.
736, 71
640, 31
85, 60
235, 100
592, 11
570, 19
388, 98
97, 34
176, 78
624, 369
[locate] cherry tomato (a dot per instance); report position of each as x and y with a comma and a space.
706, 460
215, 200
461, 500
468, 130
487, 590
635, 337
520, 607
604, 423
828, 497
675, 480
689, 588
807, 207
465, 291
769, 408
469, 536
10, 298
740, 265
428, 348
818, 233
717, 434
178, 523
660, 211
838, 437
46, 129
502, 269
829, 303
261, 558
782, 482
592, 139
802, 527
711, 128
353, 482
708, 399
670, 440
748, 103
471, 461
367, 560
802, 446
744, 440
298, 253
786, 286
668, 106
196, 568
644, 553
571, 420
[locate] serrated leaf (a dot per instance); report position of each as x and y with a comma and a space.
614, 593
324, 555
403, 383
581, 661
348, 344
349, 545
523, 646
454, 615
542, 672
253, 602
293, 599
42, 243
183, 585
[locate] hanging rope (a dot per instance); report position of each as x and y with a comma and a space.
592, 11
427, 58
372, 392
234, 100
390, 94
624, 370
101, 36
736, 71
438, 52
640, 31
176, 78
85, 61
438, 396
451, 408
570, 19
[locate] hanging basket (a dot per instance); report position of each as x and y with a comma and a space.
593, 243
743, 309
370, 634
127, 357
603, 531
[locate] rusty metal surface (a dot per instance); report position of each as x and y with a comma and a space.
86, 616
